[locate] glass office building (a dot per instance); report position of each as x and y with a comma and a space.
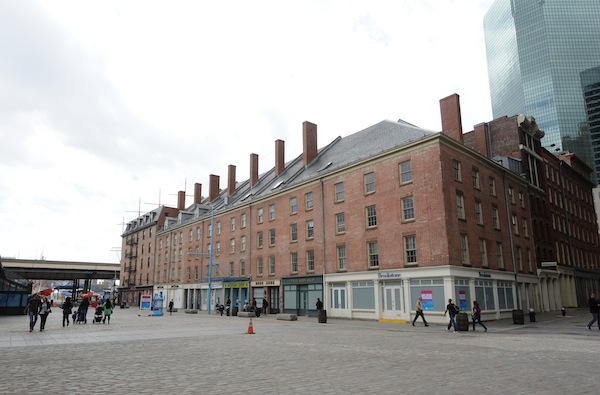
539, 54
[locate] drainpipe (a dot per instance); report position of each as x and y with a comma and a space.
512, 242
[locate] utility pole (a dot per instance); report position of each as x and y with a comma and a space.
210, 259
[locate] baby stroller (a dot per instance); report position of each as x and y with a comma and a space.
98, 314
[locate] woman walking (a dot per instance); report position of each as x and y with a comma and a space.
477, 315
44, 311
67, 309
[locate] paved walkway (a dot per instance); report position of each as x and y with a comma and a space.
197, 353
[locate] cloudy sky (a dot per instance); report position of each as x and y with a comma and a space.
110, 107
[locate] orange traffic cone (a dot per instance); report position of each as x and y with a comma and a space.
250, 328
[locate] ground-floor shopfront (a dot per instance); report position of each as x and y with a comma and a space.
391, 295
300, 294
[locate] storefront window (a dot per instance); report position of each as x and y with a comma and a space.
432, 292
462, 294
363, 295
484, 294
505, 295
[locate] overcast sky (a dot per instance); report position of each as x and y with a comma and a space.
110, 107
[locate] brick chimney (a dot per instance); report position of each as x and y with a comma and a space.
309, 142
480, 139
279, 157
253, 169
451, 120
213, 187
230, 180
197, 193
181, 200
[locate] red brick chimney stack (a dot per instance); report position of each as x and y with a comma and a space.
197, 193
279, 157
451, 119
181, 200
213, 187
230, 180
309, 142
253, 169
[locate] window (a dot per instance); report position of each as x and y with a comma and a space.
259, 266
310, 229
195, 272
310, 260
483, 252
271, 237
373, 254
190, 235
519, 259
525, 230
341, 257
408, 210
371, 213
218, 248
259, 239
218, 227
515, 224
308, 200
243, 221
492, 186
460, 205
294, 232
259, 216
505, 295
339, 191
478, 213
484, 294
243, 243
293, 205
242, 267
198, 233
369, 180
522, 199
457, 170
340, 225
495, 219
189, 273
464, 249
410, 249
511, 195
475, 177
529, 261
499, 255
231, 246
231, 269
294, 262
271, 265
232, 224
271, 212
405, 172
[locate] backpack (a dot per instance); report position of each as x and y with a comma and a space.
456, 309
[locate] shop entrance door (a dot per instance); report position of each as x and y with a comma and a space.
302, 301
393, 303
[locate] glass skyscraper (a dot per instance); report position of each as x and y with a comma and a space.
541, 58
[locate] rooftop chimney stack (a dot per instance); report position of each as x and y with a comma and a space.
309, 141
230, 180
213, 187
279, 157
253, 169
451, 119
181, 200
197, 193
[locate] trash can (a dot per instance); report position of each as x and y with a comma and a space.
322, 316
234, 311
518, 318
462, 322
531, 314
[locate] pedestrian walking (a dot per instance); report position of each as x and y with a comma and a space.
477, 316
265, 306
83, 309
419, 311
108, 309
44, 311
171, 304
319, 305
67, 309
33, 309
254, 305
593, 304
451, 310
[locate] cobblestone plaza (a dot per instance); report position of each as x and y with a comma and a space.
197, 353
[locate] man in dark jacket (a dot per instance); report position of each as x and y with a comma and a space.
593, 305
33, 309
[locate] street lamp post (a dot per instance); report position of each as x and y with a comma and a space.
210, 258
